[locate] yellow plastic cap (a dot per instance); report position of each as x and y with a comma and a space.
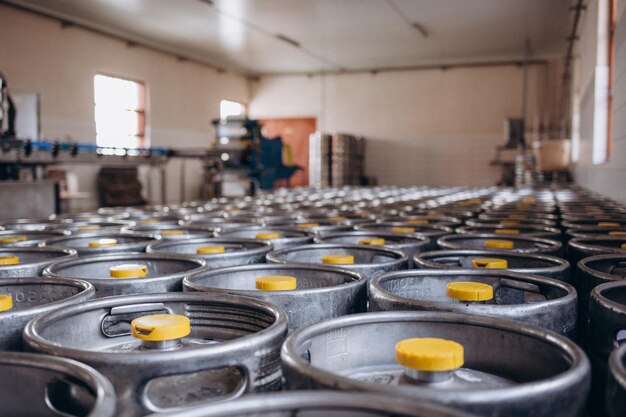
171, 232
518, 216
267, 236
498, 244
6, 302
434, 213
510, 223
210, 249
623, 246
276, 283
507, 231
418, 221
403, 229
490, 263
372, 241
430, 354
529, 200
161, 327
338, 259
308, 225
469, 291
13, 239
102, 243
128, 271
617, 233
337, 218
608, 224
146, 221
9, 260
88, 228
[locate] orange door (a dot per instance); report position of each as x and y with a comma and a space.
294, 132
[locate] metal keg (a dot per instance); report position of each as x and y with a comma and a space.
498, 216
307, 293
616, 384
171, 232
432, 232
217, 252
133, 273
523, 263
479, 364
587, 232
47, 386
29, 224
27, 238
530, 299
512, 243
169, 351
317, 403
409, 245
320, 227
370, 261
607, 330
607, 223
580, 248
100, 243
279, 237
218, 224
30, 262
530, 231
23, 299
75, 227
423, 219
511, 223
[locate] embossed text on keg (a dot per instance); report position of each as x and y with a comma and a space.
336, 343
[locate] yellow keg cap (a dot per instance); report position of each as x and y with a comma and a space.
267, 236
102, 243
403, 229
498, 244
88, 228
430, 354
469, 291
161, 327
507, 231
518, 216
617, 233
623, 246
490, 263
372, 241
276, 283
128, 271
6, 302
172, 232
434, 213
13, 239
608, 224
146, 221
529, 200
338, 259
510, 223
9, 260
308, 225
210, 249
418, 222
337, 218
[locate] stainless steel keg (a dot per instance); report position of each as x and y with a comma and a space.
100, 243
606, 223
23, 299
370, 261
171, 232
217, 252
47, 386
75, 227
480, 364
30, 224
587, 232
524, 263
530, 231
513, 243
616, 384
30, 262
433, 232
423, 220
409, 245
169, 351
580, 248
279, 237
317, 403
134, 273
530, 299
319, 226
27, 238
307, 293
495, 216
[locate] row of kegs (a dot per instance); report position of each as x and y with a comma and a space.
353, 302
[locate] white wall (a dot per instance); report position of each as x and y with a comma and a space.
422, 127
37, 55
607, 178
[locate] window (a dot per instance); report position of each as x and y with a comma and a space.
120, 113
231, 108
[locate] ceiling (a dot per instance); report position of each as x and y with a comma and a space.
327, 35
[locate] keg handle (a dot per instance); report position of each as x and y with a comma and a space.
64, 397
518, 285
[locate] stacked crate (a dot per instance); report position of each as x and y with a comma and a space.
335, 160
319, 160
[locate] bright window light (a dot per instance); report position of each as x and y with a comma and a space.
230, 108
602, 86
119, 112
